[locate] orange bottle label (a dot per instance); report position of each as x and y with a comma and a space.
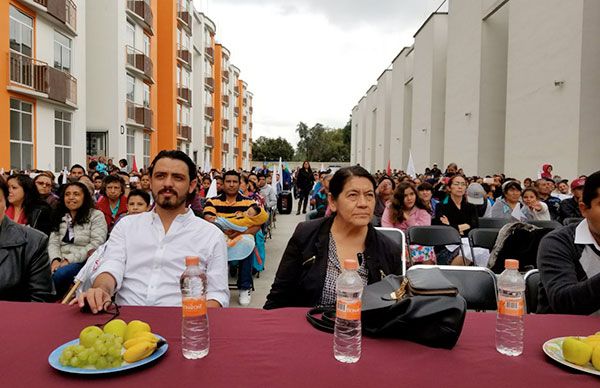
511, 306
348, 310
193, 307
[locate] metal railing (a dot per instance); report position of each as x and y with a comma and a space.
139, 60
28, 72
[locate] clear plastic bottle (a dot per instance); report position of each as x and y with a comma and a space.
511, 309
347, 331
195, 338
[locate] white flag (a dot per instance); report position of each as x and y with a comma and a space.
207, 166
212, 190
410, 169
65, 172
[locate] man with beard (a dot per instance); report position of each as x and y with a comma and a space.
145, 255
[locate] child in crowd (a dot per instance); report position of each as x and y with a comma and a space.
138, 201
242, 245
533, 208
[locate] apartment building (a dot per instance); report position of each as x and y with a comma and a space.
43, 61
495, 86
122, 89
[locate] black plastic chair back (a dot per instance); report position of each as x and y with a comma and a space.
434, 235
532, 284
483, 238
545, 224
494, 223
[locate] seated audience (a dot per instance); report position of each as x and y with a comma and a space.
313, 257
569, 208
569, 260
113, 202
44, 184
504, 206
25, 205
78, 229
533, 209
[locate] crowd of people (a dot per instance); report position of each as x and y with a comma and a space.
145, 222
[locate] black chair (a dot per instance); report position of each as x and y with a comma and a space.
545, 224
532, 284
435, 235
476, 284
494, 223
397, 236
572, 220
482, 238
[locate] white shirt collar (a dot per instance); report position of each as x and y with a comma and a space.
584, 236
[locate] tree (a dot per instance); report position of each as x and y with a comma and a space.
270, 149
323, 144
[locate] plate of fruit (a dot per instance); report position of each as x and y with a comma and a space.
581, 353
119, 346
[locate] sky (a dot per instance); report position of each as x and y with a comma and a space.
312, 60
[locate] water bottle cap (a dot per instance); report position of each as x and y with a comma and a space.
192, 260
350, 264
511, 264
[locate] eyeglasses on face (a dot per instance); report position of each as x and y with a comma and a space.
43, 184
459, 184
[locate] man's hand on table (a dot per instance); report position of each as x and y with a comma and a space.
95, 298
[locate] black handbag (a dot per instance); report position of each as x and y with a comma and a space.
423, 307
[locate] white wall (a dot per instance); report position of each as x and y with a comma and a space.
383, 130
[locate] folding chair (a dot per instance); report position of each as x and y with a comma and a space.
435, 235
546, 224
494, 223
397, 236
532, 284
572, 220
476, 284
482, 238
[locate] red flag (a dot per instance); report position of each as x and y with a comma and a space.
389, 169
134, 167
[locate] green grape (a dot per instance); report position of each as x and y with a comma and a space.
92, 357
102, 350
63, 360
119, 341
74, 362
97, 344
68, 353
83, 356
101, 363
116, 363
114, 351
78, 349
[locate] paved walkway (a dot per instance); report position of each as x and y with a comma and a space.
285, 226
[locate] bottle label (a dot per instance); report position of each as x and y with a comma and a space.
193, 307
511, 306
348, 310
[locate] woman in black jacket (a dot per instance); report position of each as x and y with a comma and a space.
25, 205
312, 260
304, 184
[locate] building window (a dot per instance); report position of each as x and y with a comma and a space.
146, 150
21, 32
130, 146
147, 95
62, 139
62, 52
147, 45
21, 135
130, 34
130, 88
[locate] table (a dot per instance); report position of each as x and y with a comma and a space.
278, 348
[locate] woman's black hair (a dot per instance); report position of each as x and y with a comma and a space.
140, 193
112, 179
512, 184
31, 195
83, 213
591, 189
531, 189
4, 189
337, 183
178, 155
397, 203
385, 177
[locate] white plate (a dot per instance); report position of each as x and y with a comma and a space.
553, 348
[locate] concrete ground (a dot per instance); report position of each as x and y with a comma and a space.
284, 228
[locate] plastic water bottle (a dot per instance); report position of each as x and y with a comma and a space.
195, 338
347, 331
511, 308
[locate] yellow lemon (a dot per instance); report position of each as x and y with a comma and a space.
576, 351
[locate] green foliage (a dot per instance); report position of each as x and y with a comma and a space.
323, 144
272, 149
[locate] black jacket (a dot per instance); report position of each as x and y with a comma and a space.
305, 180
41, 218
24, 264
569, 208
301, 274
467, 214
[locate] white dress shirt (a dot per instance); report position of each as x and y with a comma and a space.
147, 263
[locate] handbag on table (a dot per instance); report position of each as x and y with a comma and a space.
423, 306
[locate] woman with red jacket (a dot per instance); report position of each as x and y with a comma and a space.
113, 201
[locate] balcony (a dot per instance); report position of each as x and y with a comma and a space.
209, 83
225, 124
245, 101
140, 115
209, 112
250, 110
142, 12
250, 126
244, 137
139, 63
210, 53
184, 54
37, 78
184, 93
236, 151
244, 154
184, 131
236, 131
226, 76
225, 99
65, 11
236, 90
236, 111
226, 147
185, 20
210, 141
245, 119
